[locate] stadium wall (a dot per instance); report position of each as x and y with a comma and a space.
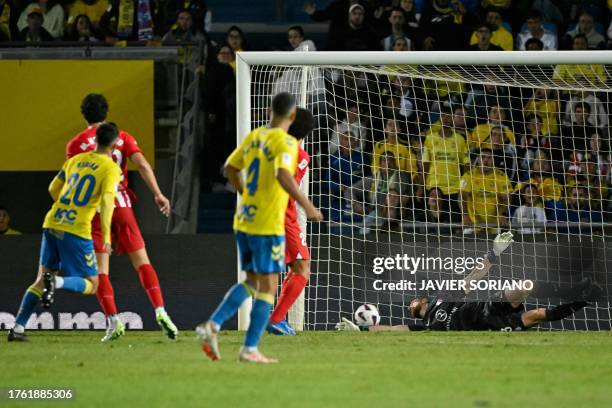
194, 272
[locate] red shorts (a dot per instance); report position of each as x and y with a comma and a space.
125, 233
295, 243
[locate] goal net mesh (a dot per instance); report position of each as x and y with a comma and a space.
433, 161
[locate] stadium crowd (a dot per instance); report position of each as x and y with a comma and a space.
397, 147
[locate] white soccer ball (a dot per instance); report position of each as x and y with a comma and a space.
367, 315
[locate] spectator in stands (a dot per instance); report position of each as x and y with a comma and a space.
81, 30
53, 17
485, 194
601, 156
550, 12
535, 29
483, 33
544, 104
575, 137
548, 187
534, 44
445, 155
5, 221
335, 13
437, 210
8, 21
402, 44
578, 209
384, 194
355, 35
91, 8
459, 122
598, 116
127, 20
397, 23
609, 35
499, 36
185, 32
168, 10
595, 184
480, 99
297, 41
227, 56
535, 145
504, 153
413, 106
346, 166
445, 25
411, 17
34, 32
354, 124
404, 157
580, 74
235, 39
480, 138
530, 211
586, 27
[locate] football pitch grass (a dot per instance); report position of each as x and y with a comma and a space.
319, 369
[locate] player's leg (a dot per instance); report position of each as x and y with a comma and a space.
129, 241
233, 299
537, 316
297, 257
29, 301
260, 315
268, 262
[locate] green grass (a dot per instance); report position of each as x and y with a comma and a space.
325, 369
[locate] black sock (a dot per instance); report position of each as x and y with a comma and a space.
562, 311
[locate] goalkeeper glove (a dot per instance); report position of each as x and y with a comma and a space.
501, 242
347, 325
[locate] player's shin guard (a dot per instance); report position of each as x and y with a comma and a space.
150, 283
232, 301
563, 311
28, 303
291, 289
260, 315
106, 295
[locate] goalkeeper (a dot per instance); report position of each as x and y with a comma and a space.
441, 313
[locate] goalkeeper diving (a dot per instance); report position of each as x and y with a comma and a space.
441, 313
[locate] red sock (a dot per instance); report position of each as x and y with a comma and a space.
291, 289
150, 283
106, 295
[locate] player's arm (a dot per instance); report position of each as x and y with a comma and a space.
233, 175
347, 325
147, 174
57, 184
287, 181
107, 204
500, 243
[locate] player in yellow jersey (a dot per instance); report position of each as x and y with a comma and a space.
269, 157
85, 183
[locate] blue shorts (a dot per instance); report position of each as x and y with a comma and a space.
71, 254
261, 253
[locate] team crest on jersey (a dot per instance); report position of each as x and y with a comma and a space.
441, 315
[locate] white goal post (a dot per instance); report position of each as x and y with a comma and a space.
513, 75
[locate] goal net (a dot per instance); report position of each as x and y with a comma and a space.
418, 165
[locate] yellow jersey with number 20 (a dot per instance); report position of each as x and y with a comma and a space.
87, 177
264, 202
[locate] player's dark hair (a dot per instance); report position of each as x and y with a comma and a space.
297, 28
581, 35
303, 124
106, 134
2, 208
94, 108
584, 106
282, 104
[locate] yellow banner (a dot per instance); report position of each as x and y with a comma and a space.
40, 107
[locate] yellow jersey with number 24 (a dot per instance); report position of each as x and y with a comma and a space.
264, 202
